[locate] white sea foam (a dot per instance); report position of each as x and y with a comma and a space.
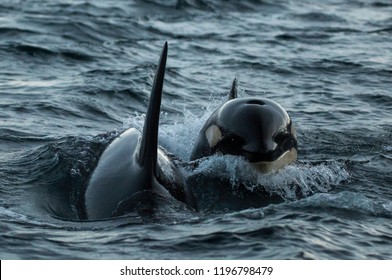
303, 179
299, 179
178, 134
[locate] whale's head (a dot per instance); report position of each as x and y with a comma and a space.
257, 129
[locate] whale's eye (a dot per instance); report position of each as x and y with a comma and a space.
255, 102
281, 137
230, 144
285, 140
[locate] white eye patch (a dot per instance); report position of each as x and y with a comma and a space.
213, 135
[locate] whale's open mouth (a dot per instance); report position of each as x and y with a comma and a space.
286, 158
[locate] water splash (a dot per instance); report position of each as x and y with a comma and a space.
178, 134
293, 181
298, 180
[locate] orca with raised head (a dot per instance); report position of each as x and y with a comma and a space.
258, 129
133, 166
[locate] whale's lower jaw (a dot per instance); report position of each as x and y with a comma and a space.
272, 166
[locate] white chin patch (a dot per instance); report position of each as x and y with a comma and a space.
272, 166
213, 135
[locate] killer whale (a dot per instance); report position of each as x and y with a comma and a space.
257, 129
133, 166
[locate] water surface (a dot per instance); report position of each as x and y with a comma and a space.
74, 74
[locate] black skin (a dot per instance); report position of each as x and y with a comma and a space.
257, 129
133, 168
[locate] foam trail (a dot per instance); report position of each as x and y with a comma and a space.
299, 179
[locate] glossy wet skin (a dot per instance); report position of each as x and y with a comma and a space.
133, 165
258, 129
118, 176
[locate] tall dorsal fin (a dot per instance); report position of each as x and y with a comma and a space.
234, 89
149, 144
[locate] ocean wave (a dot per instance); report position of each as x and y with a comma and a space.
219, 6
75, 74
317, 16
348, 201
45, 53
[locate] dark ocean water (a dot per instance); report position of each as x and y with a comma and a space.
74, 74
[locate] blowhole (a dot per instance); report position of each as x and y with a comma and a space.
255, 102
